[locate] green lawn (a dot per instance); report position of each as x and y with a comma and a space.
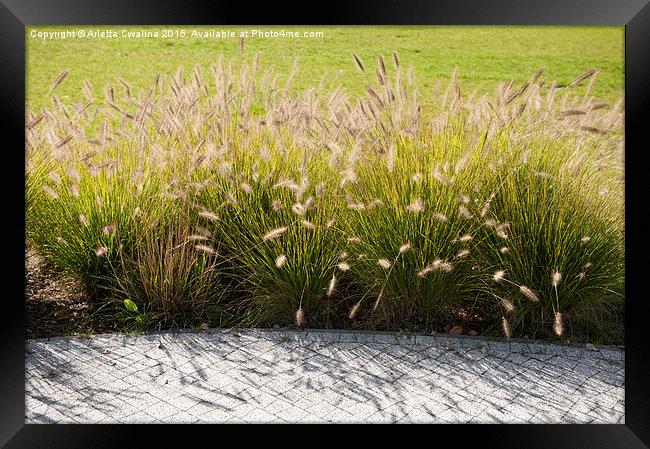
484, 56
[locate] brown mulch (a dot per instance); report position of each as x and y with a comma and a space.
56, 306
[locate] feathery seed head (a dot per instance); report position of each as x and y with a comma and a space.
274, 233
201, 230
374, 307
384, 263
209, 215
55, 177
356, 206
440, 177
358, 62
280, 261
300, 317
558, 324
382, 65
343, 266
348, 176
439, 217
298, 209
59, 79
396, 60
498, 275
506, 327
197, 237
205, 248
288, 184
231, 198
556, 278
354, 311
74, 174
446, 267
246, 187
405, 247
332, 285
507, 305
464, 212
462, 254
528, 293
416, 206
50, 192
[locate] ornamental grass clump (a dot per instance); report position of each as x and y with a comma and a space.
173, 281
220, 195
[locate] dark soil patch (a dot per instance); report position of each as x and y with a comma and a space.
57, 306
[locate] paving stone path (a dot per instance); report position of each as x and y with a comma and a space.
291, 376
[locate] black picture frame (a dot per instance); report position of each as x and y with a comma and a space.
15, 15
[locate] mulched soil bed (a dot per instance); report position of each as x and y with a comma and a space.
56, 306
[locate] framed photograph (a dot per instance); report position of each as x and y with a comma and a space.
429, 213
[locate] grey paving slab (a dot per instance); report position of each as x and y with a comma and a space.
282, 376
